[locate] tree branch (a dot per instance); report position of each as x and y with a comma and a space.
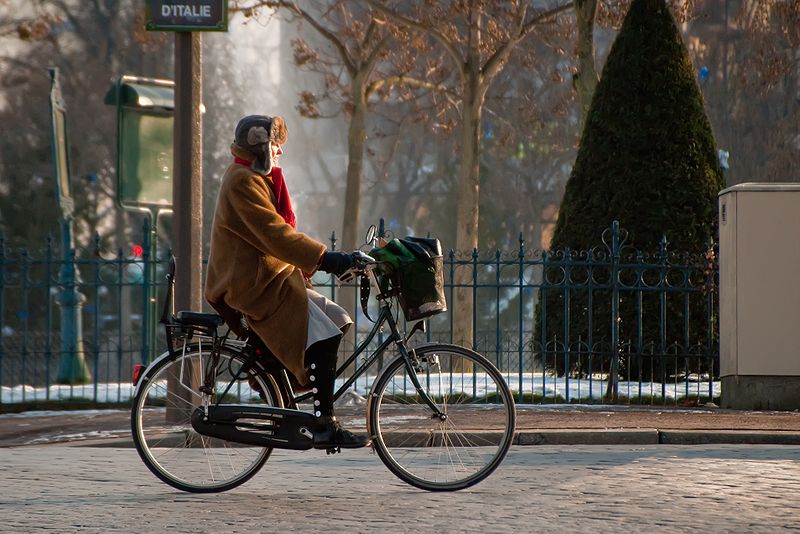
495, 62
437, 35
408, 81
369, 62
543, 17
347, 60
37, 69
371, 29
62, 6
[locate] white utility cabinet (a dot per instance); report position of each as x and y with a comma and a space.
759, 279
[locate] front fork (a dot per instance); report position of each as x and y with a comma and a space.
413, 365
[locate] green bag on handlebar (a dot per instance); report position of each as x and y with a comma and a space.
415, 267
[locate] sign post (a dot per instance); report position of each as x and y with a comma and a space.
72, 368
187, 187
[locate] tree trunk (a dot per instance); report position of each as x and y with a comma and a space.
467, 214
585, 79
356, 139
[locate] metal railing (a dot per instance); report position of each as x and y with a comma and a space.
611, 324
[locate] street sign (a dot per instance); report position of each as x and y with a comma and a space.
186, 15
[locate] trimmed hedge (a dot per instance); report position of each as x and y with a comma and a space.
648, 159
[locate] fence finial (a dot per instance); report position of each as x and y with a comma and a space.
662, 246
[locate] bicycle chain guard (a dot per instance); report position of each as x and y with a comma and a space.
261, 426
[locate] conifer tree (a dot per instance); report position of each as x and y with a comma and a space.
647, 159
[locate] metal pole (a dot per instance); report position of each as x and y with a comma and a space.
612, 393
152, 287
147, 283
187, 190
187, 187
72, 367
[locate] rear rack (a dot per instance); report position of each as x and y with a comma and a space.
186, 325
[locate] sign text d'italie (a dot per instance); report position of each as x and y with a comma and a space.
186, 15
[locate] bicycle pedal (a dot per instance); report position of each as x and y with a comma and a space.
333, 450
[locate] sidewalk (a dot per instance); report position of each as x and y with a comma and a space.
536, 425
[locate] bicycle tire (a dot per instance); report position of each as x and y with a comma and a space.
437, 455
172, 449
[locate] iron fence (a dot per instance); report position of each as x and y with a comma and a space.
611, 324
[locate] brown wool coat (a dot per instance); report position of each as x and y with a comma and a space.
256, 266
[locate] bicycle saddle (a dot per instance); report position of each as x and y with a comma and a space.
207, 320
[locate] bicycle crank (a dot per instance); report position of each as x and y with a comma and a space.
261, 426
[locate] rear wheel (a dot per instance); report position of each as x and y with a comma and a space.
454, 451
162, 429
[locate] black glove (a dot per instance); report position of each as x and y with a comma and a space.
335, 263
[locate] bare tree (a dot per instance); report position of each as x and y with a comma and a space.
765, 84
477, 38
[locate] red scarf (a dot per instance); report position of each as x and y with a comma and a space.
280, 190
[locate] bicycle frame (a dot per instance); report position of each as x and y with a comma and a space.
384, 317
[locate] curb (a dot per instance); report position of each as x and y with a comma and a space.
653, 436
613, 436
739, 437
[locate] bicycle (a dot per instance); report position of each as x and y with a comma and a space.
208, 412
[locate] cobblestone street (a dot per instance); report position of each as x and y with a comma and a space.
573, 488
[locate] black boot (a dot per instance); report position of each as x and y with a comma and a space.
328, 432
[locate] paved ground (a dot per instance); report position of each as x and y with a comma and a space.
709, 488
557, 425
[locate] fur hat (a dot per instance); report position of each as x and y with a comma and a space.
255, 133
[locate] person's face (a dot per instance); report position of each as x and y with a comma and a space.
274, 151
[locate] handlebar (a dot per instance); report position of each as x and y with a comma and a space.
362, 262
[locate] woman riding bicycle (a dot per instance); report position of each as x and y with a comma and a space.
259, 269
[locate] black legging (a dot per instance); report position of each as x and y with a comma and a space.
321, 361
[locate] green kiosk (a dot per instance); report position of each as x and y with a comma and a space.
144, 171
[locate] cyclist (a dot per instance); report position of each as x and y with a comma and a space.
259, 269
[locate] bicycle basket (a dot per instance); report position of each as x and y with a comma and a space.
415, 267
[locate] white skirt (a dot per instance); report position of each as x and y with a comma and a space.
325, 318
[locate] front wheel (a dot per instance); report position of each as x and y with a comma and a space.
167, 395
463, 445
